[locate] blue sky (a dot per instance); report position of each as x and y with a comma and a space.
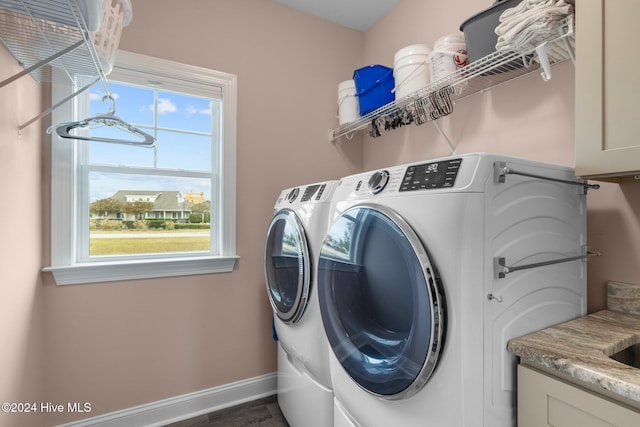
184, 137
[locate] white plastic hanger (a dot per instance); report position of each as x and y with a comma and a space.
107, 119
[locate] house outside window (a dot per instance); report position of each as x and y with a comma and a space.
126, 212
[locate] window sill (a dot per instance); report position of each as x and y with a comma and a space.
140, 269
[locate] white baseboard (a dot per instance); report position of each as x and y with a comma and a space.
190, 405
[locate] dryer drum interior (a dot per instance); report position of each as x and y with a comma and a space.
380, 301
287, 266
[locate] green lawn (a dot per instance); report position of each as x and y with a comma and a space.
133, 245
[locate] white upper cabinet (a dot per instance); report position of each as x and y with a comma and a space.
607, 90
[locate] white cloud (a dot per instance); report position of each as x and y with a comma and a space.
166, 106
207, 110
190, 110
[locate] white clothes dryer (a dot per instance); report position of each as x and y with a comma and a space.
292, 245
415, 292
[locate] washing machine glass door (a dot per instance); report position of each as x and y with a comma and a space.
287, 266
381, 302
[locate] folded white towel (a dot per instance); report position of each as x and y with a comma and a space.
526, 5
527, 25
523, 7
544, 14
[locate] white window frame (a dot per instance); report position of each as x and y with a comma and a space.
66, 265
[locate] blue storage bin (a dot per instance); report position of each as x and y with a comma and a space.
374, 86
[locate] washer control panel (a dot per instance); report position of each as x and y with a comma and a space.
431, 175
378, 181
311, 193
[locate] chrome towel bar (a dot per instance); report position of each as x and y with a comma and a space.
501, 269
501, 170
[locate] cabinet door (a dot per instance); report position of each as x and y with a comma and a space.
607, 88
547, 401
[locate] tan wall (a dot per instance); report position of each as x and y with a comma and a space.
525, 118
21, 296
118, 345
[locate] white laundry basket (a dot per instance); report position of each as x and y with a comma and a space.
117, 15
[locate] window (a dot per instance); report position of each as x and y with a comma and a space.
125, 212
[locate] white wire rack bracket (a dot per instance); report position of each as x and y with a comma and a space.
50, 32
490, 71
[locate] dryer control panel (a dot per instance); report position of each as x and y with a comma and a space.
431, 175
310, 191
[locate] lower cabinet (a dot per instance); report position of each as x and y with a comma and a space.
547, 401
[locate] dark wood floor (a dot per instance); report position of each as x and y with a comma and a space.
263, 413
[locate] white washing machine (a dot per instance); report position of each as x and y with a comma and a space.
426, 272
292, 246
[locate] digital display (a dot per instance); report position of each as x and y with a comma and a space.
309, 192
431, 175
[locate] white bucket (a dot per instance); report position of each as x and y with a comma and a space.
411, 69
347, 102
449, 54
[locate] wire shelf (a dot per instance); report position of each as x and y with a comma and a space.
487, 72
50, 32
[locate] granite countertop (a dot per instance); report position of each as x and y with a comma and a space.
579, 349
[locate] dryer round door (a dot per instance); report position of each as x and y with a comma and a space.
287, 266
381, 302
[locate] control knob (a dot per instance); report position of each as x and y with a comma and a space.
378, 181
293, 194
